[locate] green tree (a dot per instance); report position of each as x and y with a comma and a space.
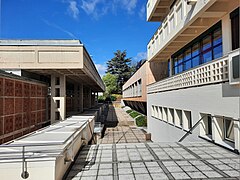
120, 66
110, 81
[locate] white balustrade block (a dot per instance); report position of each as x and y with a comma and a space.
213, 72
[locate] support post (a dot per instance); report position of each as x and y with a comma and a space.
58, 97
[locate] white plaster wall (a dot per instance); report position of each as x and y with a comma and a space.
218, 99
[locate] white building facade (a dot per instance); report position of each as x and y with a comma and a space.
200, 98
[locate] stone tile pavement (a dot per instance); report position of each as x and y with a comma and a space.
155, 161
123, 154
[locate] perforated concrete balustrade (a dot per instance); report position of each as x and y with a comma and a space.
212, 72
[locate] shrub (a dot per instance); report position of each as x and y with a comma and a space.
101, 99
141, 121
113, 98
134, 114
129, 111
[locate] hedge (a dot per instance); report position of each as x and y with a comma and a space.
141, 121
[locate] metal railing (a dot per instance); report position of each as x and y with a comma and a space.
198, 122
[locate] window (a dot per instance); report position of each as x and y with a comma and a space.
217, 43
196, 55
169, 67
187, 59
209, 125
228, 129
235, 28
205, 48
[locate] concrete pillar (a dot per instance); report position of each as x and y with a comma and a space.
87, 97
217, 129
58, 97
76, 98
92, 99
80, 98
171, 67
226, 34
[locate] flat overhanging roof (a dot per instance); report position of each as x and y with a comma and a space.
46, 57
56, 42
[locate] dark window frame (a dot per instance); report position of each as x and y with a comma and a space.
234, 16
199, 40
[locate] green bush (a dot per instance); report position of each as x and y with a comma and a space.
141, 121
129, 111
113, 98
101, 99
134, 114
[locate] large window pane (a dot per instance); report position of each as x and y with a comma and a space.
188, 54
217, 52
175, 70
187, 64
207, 56
206, 43
235, 28
217, 37
195, 49
180, 63
195, 61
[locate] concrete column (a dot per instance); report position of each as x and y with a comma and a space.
80, 97
87, 97
76, 98
58, 97
171, 67
92, 99
217, 129
226, 34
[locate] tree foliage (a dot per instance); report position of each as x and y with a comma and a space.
110, 82
119, 66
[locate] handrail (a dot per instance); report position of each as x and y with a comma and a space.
197, 123
192, 128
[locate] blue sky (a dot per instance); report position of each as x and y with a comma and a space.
103, 26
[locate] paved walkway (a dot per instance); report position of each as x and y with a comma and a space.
124, 155
125, 131
163, 161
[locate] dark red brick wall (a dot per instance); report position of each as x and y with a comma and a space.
22, 107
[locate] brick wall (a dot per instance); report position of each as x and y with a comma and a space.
22, 107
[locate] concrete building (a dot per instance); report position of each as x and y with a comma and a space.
135, 89
63, 66
199, 39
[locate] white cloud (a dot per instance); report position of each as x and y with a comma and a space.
101, 69
142, 11
140, 56
89, 6
130, 5
98, 8
73, 9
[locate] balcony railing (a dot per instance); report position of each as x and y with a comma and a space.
213, 72
150, 6
178, 19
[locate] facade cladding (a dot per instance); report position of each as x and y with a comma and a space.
22, 106
200, 97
